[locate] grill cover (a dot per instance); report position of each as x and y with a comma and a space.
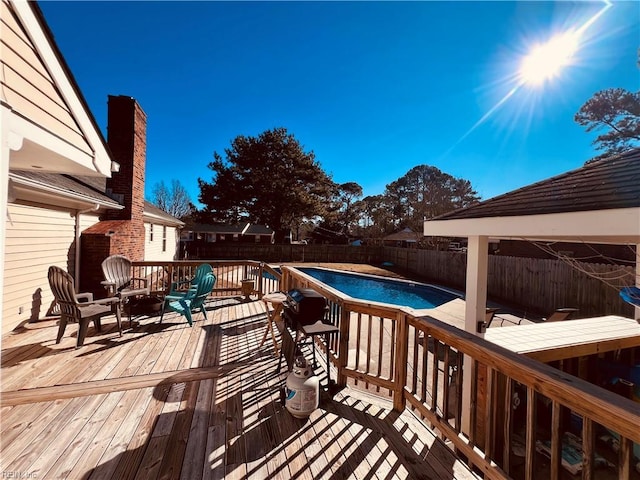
303, 306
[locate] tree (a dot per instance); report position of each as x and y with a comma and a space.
175, 201
425, 192
617, 111
343, 213
267, 179
376, 217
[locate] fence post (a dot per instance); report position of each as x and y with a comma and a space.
400, 374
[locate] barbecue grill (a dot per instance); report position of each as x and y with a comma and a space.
303, 306
304, 311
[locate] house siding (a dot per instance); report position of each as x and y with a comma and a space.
36, 238
27, 85
153, 249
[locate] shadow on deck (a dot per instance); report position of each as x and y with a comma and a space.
169, 401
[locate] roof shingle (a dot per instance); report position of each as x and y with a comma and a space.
613, 182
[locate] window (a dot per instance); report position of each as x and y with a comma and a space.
151, 232
164, 238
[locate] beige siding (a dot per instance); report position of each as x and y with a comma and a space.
153, 249
27, 85
36, 238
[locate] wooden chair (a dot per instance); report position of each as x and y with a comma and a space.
193, 300
72, 309
119, 283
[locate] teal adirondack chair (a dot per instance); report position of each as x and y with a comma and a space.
179, 289
194, 299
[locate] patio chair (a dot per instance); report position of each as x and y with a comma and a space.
561, 314
193, 300
180, 288
72, 309
119, 283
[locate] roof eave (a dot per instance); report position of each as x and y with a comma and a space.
616, 226
57, 196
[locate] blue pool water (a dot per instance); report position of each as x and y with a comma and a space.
396, 292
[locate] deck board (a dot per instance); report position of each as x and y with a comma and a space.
203, 402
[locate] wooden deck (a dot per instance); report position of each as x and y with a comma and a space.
169, 401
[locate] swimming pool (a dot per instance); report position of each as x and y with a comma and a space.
379, 289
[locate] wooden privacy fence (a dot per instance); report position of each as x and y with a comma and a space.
285, 252
536, 285
422, 363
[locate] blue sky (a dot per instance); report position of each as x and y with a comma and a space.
372, 88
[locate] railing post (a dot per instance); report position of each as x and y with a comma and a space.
400, 374
260, 278
170, 268
343, 350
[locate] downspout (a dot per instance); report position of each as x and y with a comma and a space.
76, 273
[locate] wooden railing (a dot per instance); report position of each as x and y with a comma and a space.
229, 275
426, 365
422, 363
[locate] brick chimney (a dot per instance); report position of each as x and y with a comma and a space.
127, 139
120, 231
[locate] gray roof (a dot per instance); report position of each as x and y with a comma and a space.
259, 230
405, 234
91, 188
613, 182
220, 228
225, 229
88, 187
151, 209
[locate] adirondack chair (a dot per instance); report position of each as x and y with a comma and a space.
180, 288
193, 300
72, 309
119, 283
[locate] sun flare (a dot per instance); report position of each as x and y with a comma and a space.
546, 61
543, 63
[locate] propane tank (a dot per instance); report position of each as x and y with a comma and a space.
302, 389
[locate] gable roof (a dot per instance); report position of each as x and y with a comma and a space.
596, 203
613, 182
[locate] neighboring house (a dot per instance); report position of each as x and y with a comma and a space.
70, 198
598, 203
221, 233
